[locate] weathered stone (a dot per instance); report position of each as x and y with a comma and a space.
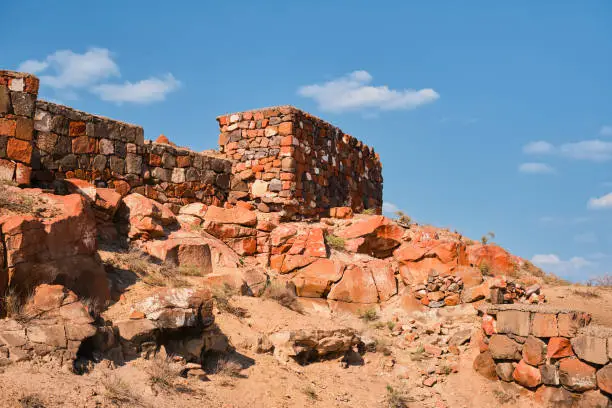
576, 375
604, 379
550, 374
503, 348
554, 397
133, 164
569, 323
356, 285
544, 325
559, 347
513, 321
23, 103
178, 175
117, 164
592, 399
505, 371
591, 349
534, 351
527, 375
485, 366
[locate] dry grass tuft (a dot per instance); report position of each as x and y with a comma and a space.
162, 373
586, 293
223, 298
311, 393
151, 273
335, 242
395, 399
31, 401
12, 305
284, 294
369, 315
119, 392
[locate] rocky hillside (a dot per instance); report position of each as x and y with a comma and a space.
114, 300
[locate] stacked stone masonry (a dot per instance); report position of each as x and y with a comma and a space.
280, 159
18, 93
70, 143
553, 351
287, 159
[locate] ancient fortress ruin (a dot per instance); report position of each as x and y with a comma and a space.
280, 159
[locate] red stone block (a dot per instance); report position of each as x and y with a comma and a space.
23, 174
31, 85
155, 160
19, 150
83, 144
8, 127
222, 120
183, 161
24, 129
559, 347
77, 129
247, 116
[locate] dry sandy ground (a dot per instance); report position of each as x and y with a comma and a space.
595, 300
265, 382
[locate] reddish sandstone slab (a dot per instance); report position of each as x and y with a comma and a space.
559, 347
576, 375
356, 285
527, 375
315, 280
234, 215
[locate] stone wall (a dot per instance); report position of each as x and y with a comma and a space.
18, 93
72, 144
286, 159
180, 176
553, 351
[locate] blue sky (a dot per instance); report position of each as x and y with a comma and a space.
489, 116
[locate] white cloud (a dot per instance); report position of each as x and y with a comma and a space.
69, 73
33, 66
536, 168
352, 92
606, 130
575, 267
67, 69
538, 147
586, 238
551, 220
145, 91
592, 150
389, 208
600, 203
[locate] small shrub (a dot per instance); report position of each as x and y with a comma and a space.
395, 399
222, 298
383, 345
13, 306
391, 325
229, 368
369, 211
23, 204
283, 294
118, 391
369, 315
487, 237
418, 354
311, 393
403, 219
485, 269
335, 242
587, 293
604, 281
31, 401
162, 373
502, 397
189, 270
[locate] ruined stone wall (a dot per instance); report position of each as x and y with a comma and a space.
286, 159
72, 144
553, 351
18, 93
180, 176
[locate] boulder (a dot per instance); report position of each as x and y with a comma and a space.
591, 349
470, 276
576, 375
554, 397
505, 371
384, 279
305, 346
146, 218
592, 399
504, 348
475, 293
315, 280
236, 215
604, 379
56, 244
341, 212
534, 351
527, 375
376, 236
485, 366
559, 347
495, 259
357, 286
